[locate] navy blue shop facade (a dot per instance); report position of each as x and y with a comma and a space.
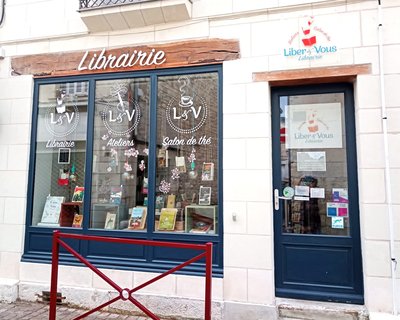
131, 148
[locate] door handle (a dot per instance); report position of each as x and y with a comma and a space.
277, 197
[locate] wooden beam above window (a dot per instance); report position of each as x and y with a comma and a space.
133, 58
312, 75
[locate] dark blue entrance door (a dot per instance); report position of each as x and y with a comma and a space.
316, 214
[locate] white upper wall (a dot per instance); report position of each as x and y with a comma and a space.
34, 20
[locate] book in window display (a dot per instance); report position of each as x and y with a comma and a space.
137, 219
167, 219
51, 211
78, 194
171, 201
77, 222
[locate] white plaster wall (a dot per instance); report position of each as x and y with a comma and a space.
248, 250
373, 196
15, 119
371, 158
34, 26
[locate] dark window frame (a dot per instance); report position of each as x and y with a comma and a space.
37, 246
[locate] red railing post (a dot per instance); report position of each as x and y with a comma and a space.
125, 293
207, 315
54, 276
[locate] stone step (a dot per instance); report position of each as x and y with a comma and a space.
307, 310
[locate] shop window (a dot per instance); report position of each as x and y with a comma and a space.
120, 154
187, 154
129, 155
60, 154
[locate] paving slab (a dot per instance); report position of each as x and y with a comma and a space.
22, 310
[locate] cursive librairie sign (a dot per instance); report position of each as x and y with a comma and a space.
103, 61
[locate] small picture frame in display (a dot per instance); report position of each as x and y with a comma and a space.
64, 155
205, 196
110, 221
207, 173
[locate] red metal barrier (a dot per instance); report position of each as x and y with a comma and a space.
125, 293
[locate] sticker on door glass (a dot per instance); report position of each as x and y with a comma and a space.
299, 198
337, 209
317, 193
311, 161
337, 223
340, 195
313, 126
302, 191
288, 192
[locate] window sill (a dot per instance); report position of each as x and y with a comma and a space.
136, 15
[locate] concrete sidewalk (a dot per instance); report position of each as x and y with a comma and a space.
39, 311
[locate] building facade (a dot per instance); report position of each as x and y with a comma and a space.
267, 128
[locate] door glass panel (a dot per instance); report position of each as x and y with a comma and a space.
120, 155
314, 165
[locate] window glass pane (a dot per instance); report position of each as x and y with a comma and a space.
60, 156
314, 164
187, 154
120, 155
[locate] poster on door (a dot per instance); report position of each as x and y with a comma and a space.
312, 126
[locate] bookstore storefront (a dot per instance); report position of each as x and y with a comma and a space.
257, 127
132, 154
